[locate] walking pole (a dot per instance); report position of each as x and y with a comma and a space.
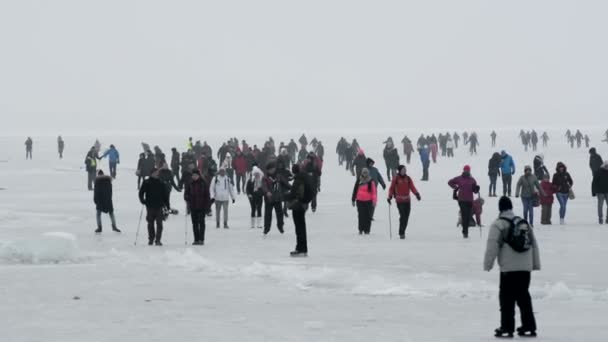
390, 223
141, 213
186, 228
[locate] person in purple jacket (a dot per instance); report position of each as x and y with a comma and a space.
465, 187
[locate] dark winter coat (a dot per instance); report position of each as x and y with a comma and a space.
595, 161
295, 196
147, 165
562, 180
102, 195
359, 164
90, 161
175, 161
494, 165
154, 194
391, 157
466, 186
272, 185
600, 182
539, 168
197, 195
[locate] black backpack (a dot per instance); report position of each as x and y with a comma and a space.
518, 234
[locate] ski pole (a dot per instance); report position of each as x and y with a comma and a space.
390, 223
141, 213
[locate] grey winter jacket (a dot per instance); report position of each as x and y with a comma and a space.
508, 259
525, 186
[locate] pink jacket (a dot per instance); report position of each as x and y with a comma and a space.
365, 192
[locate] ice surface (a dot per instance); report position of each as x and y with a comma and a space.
241, 286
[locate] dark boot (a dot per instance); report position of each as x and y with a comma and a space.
98, 230
114, 228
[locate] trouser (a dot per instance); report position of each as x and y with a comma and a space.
278, 209
198, 224
404, 216
28, 154
493, 142
176, 174
256, 205
390, 172
340, 159
466, 214
545, 213
111, 218
61, 154
154, 215
408, 157
425, 170
219, 206
514, 288
506, 184
563, 201
230, 174
364, 209
528, 204
113, 169
299, 220
601, 199
91, 179
240, 183
493, 179
450, 153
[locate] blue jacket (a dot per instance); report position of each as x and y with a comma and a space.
113, 155
376, 176
507, 166
424, 154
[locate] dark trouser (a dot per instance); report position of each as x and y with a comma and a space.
60, 154
198, 224
176, 174
113, 169
390, 172
514, 289
256, 205
545, 213
404, 216
364, 208
408, 157
450, 153
278, 209
155, 215
493, 179
240, 183
466, 213
91, 179
493, 142
299, 220
506, 184
28, 154
425, 170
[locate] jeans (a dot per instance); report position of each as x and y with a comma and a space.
299, 220
219, 205
240, 183
563, 201
514, 288
278, 209
113, 169
528, 203
601, 198
506, 184
425, 170
91, 178
493, 179
98, 216
466, 212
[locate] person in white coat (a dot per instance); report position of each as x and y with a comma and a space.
221, 192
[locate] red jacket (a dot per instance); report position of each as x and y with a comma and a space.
239, 164
400, 189
549, 189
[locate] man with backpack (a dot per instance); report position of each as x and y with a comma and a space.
511, 240
298, 198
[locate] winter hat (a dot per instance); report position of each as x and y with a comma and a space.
467, 168
360, 152
370, 162
401, 167
505, 204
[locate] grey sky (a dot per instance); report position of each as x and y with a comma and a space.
258, 63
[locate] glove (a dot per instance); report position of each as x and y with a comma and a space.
354, 203
212, 201
389, 201
418, 197
233, 200
383, 187
250, 197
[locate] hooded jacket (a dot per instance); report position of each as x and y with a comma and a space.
221, 189
595, 160
365, 191
507, 166
508, 259
526, 186
102, 195
494, 165
599, 184
466, 186
197, 195
562, 180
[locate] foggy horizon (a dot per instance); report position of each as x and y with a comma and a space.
70, 66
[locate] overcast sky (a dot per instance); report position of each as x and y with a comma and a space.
348, 64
